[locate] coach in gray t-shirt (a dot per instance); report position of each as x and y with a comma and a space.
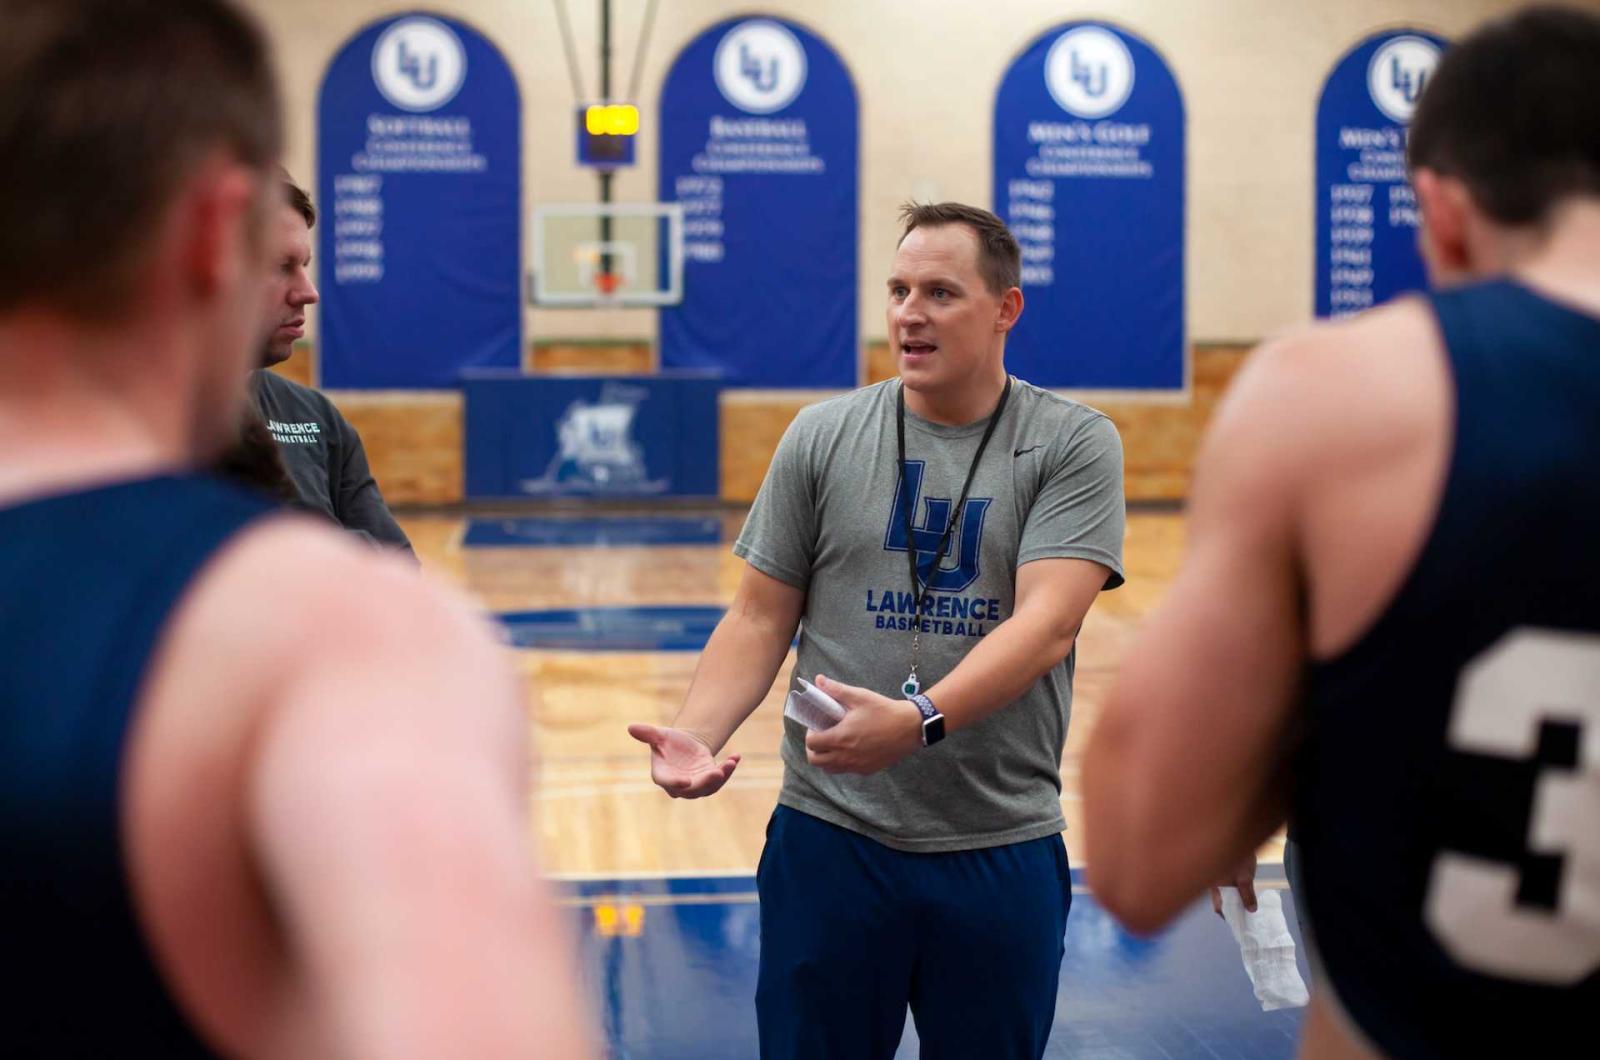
943, 779
826, 522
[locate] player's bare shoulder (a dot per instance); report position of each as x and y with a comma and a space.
1359, 353
1324, 405
1374, 347
290, 591
1364, 380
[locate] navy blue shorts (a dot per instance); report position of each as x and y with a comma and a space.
853, 932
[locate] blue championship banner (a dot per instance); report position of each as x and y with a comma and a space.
419, 173
1089, 175
759, 143
1366, 211
600, 437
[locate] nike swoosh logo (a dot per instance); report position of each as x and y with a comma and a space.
1030, 449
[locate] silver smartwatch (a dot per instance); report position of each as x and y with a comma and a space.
932, 720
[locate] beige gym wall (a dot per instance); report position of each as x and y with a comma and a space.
926, 72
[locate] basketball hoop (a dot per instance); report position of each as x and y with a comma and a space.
607, 254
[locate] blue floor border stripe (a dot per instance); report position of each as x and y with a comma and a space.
666, 629
604, 532
672, 963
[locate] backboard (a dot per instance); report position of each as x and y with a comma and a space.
607, 254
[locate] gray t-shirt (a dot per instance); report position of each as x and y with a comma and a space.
323, 454
826, 521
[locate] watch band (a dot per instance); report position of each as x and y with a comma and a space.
932, 720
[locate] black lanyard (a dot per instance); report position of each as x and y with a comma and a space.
919, 590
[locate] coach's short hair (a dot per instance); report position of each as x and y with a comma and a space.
105, 108
999, 258
295, 196
1513, 111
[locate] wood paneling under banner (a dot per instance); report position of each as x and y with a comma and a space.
414, 438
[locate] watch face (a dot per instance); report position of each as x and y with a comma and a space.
932, 730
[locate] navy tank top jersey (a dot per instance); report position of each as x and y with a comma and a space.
88, 580
1448, 793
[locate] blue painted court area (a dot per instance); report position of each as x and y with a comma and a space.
673, 965
610, 532
613, 628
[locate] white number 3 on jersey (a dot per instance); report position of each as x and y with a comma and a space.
1527, 677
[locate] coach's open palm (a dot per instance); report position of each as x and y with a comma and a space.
680, 764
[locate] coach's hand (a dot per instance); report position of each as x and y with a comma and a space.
681, 763
875, 734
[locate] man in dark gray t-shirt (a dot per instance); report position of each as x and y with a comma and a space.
318, 448
915, 858
323, 456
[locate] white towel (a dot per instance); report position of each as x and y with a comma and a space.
1267, 948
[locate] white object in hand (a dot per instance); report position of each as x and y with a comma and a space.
812, 707
1267, 948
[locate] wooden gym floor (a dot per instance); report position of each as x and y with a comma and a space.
663, 889
598, 813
